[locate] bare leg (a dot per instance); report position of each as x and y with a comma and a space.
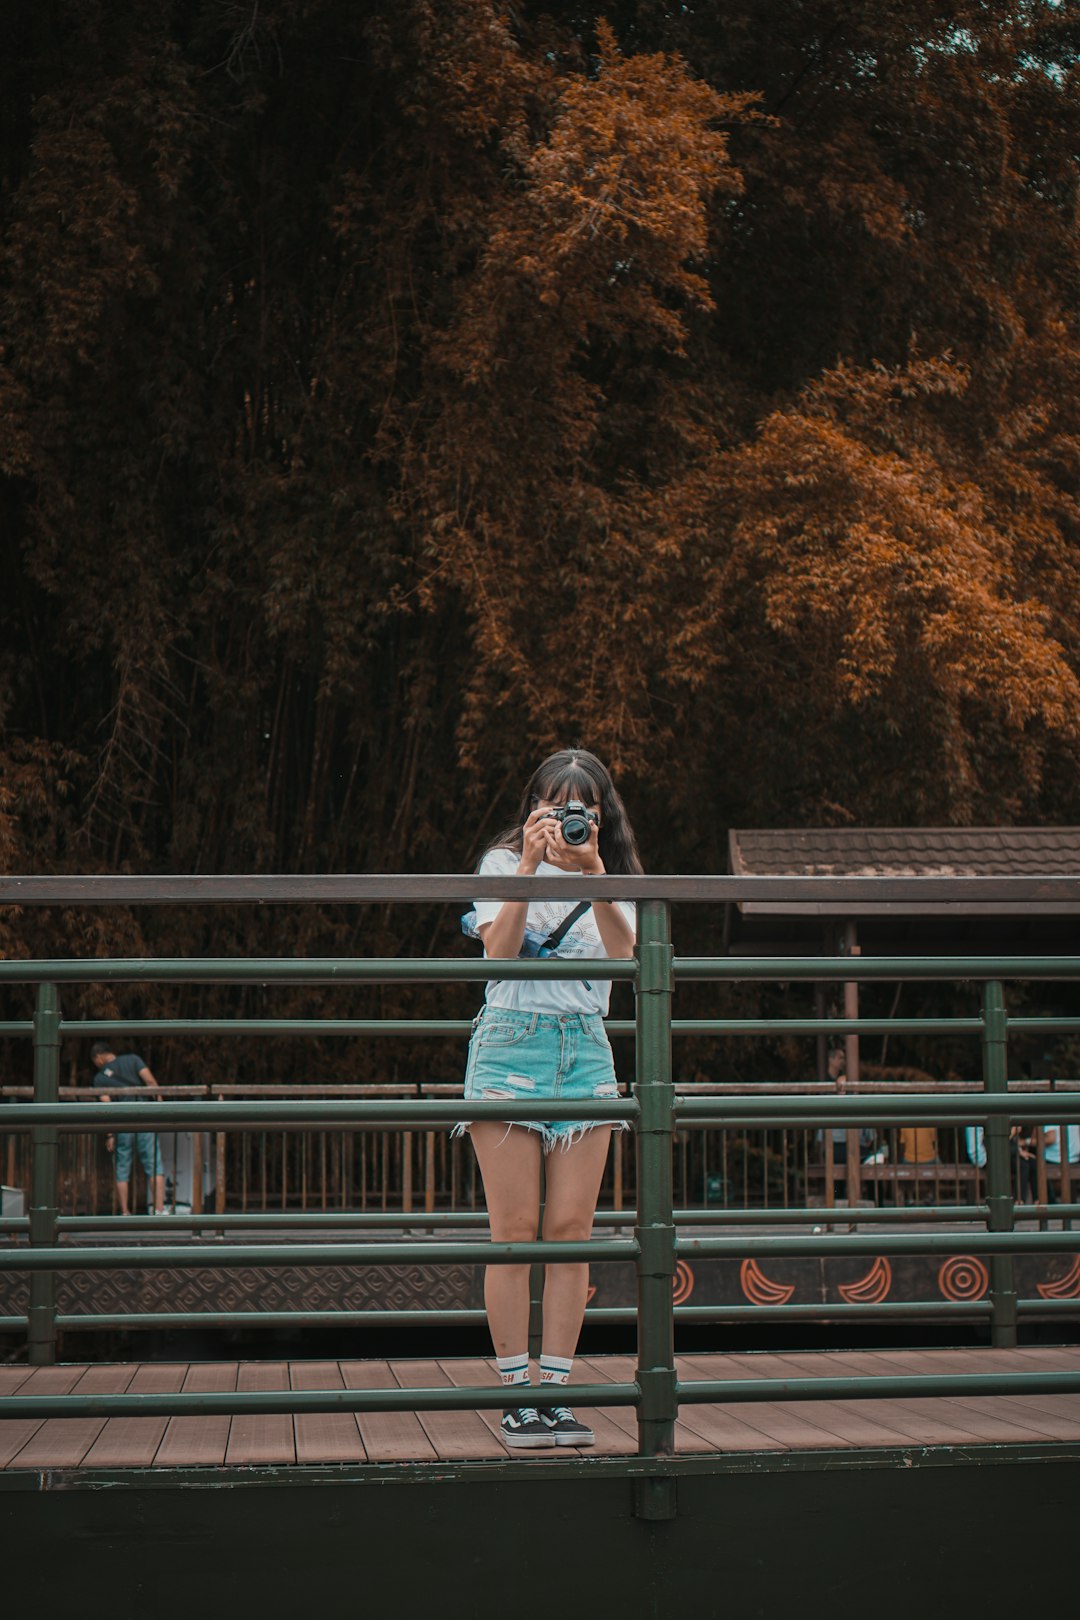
159, 1194
122, 1196
573, 1186
509, 1159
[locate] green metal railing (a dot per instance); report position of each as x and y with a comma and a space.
654, 1111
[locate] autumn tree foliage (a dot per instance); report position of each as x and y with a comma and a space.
389, 392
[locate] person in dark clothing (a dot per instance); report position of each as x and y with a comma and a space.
125, 1073
1024, 1162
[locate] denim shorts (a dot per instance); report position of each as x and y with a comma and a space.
149, 1153
522, 1055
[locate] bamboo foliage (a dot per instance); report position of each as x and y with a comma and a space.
391, 392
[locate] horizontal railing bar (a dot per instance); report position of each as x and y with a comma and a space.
309, 970
319, 1091
69, 1257
450, 1398
409, 1113
612, 1315
769, 1112
263, 1220
413, 1219
826, 1214
820, 1246
905, 1310
915, 1310
453, 1398
453, 1027
381, 888
1028, 1025
862, 968
927, 1107
448, 1027
890, 1387
15, 1223
617, 1315
826, 1026
273, 1319
381, 970
267, 1026
403, 1113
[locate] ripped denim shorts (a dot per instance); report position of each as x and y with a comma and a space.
520, 1055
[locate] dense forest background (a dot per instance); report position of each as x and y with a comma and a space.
392, 391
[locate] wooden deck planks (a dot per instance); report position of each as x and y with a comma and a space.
249, 1440
699, 1428
935, 1421
1049, 1417
64, 1442
261, 1437
387, 1436
900, 1429
15, 1433
324, 1436
791, 1425
849, 1423
132, 1442
454, 1436
194, 1442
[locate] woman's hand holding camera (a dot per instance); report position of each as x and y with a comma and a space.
534, 843
573, 857
542, 840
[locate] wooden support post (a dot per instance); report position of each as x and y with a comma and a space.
851, 1073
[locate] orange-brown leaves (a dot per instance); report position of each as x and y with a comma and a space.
847, 533
586, 278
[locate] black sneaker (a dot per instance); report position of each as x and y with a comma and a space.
564, 1428
521, 1426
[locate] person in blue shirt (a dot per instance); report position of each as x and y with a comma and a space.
1052, 1144
1051, 1135
125, 1073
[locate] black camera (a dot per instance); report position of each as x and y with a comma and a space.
577, 822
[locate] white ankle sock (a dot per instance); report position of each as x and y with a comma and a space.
514, 1369
555, 1369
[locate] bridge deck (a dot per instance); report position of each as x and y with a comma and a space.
242, 1440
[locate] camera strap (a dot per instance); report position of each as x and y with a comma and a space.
557, 935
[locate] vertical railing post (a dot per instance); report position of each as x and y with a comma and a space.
655, 1230
998, 1173
44, 1142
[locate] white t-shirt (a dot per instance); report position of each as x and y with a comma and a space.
543, 917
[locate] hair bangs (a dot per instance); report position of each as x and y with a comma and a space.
573, 781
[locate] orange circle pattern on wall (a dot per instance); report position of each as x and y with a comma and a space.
963, 1277
683, 1282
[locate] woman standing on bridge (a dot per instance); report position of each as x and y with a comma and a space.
537, 1039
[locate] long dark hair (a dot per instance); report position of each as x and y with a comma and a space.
574, 773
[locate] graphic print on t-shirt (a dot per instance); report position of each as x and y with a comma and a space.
544, 916
583, 939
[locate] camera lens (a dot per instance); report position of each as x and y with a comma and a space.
575, 828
